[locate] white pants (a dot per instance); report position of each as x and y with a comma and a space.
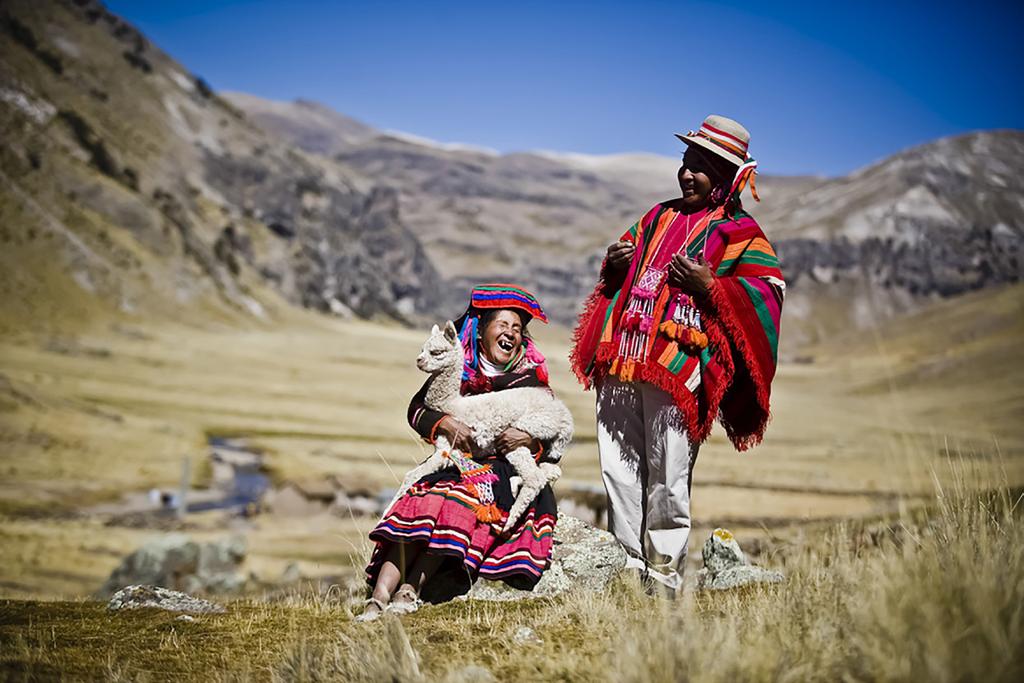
646, 463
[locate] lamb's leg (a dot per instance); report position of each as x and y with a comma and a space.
535, 477
438, 460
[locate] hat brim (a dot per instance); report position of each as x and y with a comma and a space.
713, 148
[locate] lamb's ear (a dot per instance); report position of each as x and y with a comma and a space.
434, 331
449, 331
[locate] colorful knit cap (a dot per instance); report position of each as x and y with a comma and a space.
506, 296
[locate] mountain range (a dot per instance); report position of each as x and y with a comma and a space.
128, 183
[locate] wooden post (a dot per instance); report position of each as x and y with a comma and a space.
186, 480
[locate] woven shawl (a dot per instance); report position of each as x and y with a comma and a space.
731, 378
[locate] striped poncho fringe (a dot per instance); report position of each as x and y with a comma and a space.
740, 317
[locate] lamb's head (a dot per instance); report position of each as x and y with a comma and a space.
441, 351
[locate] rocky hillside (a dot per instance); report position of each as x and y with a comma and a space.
129, 184
541, 218
934, 221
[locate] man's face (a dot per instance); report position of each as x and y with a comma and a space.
696, 179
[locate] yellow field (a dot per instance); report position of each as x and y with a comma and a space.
112, 409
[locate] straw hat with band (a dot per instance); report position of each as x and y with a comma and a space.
493, 297
728, 140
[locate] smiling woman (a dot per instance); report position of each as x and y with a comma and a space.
441, 524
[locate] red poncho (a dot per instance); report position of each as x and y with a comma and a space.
731, 377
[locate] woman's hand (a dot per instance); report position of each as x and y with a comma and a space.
459, 435
693, 277
619, 255
513, 438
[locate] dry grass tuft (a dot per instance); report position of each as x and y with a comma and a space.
941, 600
385, 656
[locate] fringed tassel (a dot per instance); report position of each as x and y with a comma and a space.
691, 341
631, 320
694, 338
744, 175
627, 370
489, 513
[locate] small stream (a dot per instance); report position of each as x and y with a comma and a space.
237, 472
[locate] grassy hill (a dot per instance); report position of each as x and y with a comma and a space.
934, 598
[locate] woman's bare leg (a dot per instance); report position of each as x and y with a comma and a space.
391, 569
422, 569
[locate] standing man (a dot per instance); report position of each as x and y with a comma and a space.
682, 328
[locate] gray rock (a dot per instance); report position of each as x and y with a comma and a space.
734, 577
137, 597
553, 582
721, 551
583, 556
525, 634
174, 561
217, 570
725, 565
589, 556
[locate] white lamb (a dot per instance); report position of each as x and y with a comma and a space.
533, 410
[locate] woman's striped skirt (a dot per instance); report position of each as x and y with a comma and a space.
440, 510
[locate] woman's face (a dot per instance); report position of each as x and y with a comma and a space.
697, 179
502, 336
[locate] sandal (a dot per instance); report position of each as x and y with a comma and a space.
405, 601
371, 614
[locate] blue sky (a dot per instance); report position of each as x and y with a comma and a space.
823, 87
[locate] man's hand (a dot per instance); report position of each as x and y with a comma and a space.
513, 438
693, 277
458, 434
619, 255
